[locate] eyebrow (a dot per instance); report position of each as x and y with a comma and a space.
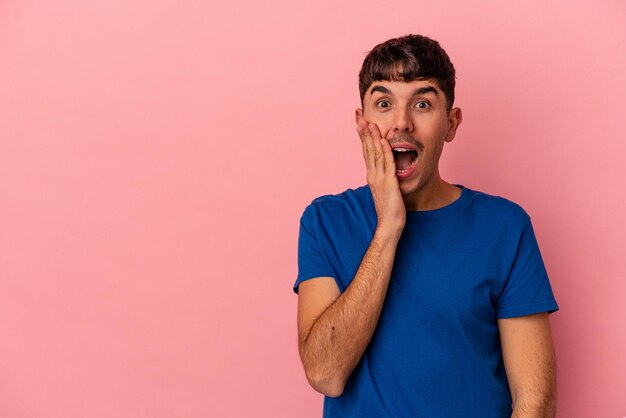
416, 92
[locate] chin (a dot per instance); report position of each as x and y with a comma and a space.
412, 185
407, 187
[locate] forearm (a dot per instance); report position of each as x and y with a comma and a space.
338, 338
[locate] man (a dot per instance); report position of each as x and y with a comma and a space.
416, 297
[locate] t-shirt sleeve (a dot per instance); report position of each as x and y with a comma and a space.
311, 260
527, 289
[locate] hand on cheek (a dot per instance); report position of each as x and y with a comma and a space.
381, 177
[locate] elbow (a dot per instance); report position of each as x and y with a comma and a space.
328, 381
331, 386
543, 406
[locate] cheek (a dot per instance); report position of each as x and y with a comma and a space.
383, 125
434, 131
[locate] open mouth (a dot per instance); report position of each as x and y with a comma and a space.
404, 158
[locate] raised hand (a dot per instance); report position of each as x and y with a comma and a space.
381, 177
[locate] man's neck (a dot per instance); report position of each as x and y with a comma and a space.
433, 196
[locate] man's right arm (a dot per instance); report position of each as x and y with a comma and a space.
334, 329
332, 342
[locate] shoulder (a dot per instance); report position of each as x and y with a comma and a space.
332, 206
499, 210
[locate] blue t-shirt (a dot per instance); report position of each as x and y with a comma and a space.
436, 350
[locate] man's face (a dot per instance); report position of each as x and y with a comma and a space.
412, 113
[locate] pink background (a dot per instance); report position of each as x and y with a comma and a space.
156, 157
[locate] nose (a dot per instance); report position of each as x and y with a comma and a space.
402, 121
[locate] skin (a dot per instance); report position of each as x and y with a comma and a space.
530, 364
421, 120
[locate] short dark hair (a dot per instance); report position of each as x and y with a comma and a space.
420, 57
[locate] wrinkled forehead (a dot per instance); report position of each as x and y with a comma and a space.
399, 87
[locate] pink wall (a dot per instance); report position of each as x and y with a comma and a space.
156, 157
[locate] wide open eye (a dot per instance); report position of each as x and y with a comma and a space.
422, 104
381, 102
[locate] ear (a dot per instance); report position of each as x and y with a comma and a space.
455, 117
358, 115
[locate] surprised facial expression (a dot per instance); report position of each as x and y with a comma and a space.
411, 115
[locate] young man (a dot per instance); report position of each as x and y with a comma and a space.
416, 297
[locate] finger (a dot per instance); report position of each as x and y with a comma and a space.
379, 156
358, 131
390, 163
366, 137
363, 147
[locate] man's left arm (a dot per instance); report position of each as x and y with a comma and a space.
530, 363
